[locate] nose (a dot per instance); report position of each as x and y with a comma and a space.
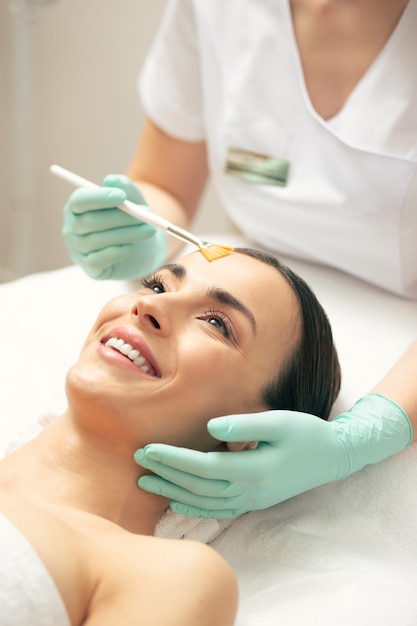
151, 313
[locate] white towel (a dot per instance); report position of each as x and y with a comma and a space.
28, 595
344, 553
175, 526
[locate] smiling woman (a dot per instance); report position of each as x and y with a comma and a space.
197, 340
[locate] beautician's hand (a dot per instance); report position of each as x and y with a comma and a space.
296, 452
107, 242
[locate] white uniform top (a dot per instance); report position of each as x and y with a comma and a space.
229, 72
28, 594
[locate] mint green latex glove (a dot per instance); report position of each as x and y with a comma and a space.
296, 452
107, 242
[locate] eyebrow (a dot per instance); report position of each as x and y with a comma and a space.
218, 294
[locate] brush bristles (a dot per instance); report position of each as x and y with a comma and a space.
214, 251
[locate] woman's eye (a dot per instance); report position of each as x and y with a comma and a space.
154, 283
220, 322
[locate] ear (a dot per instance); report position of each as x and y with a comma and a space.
233, 446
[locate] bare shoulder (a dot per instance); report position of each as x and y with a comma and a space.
207, 575
165, 581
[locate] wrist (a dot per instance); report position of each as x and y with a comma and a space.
392, 417
374, 429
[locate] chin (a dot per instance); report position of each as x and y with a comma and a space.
83, 384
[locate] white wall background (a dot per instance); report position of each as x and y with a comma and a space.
77, 106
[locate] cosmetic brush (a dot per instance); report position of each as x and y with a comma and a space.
210, 251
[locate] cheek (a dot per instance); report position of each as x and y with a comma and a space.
206, 369
115, 310
219, 385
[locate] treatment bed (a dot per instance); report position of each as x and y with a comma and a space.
344, 553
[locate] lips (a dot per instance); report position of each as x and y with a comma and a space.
134, 349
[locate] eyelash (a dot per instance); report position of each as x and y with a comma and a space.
150, 282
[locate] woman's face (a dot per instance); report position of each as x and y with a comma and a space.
196, 341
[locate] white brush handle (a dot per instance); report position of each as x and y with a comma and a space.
136, 210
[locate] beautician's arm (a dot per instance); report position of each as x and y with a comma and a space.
171, 173
296, 451
169, 176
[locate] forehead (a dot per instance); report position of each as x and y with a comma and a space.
260, 286
234, 268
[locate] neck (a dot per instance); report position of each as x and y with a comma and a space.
63, 467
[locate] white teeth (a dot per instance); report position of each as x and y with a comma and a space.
126, 348
129, 351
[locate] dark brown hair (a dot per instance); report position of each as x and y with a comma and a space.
310, 380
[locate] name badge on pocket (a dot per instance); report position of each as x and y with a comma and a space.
257, 168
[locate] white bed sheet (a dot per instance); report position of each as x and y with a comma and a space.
345, 553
